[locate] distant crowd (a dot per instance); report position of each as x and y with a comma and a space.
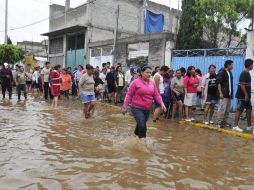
174, 94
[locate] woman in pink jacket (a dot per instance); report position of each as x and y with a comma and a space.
191, 83
140, 95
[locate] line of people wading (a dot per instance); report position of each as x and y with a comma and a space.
163, 91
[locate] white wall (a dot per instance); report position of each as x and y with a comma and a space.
168, 53
250, 55
250, 45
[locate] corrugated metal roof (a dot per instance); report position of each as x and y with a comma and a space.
65, 30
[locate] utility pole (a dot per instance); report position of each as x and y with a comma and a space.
178, 17
144, 9
6, 23
115, 35
252, 15
67, 8
46, 49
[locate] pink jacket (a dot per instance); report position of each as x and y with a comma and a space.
141, 95
191, 84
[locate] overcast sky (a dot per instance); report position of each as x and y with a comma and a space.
25, 12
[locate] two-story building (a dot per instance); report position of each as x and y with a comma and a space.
72, 29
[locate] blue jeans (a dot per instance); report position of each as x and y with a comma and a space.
141, 117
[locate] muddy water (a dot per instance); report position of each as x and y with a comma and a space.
45, 149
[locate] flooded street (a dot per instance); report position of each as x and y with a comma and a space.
46, 149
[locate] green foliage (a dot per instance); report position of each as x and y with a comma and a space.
10, 54
9, 41
214, 21
222, 18
191, 29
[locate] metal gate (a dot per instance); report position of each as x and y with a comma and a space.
75, 50
75, 58
202, 58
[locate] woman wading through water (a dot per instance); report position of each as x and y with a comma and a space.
140, 95
86, 91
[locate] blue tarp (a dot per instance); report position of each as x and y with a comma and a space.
154, 22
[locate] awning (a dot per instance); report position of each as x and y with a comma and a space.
67, 30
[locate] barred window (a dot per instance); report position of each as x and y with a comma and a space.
56, 45
76, 42
96, 52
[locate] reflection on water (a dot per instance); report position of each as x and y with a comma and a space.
43, 149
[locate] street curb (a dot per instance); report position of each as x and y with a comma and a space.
200, 125
225, 131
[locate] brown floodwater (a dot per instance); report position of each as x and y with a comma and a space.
49, 149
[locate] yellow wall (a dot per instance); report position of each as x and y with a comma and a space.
30, 63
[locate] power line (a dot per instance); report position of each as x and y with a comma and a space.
42, 20
34, 23
45, 19
38, 1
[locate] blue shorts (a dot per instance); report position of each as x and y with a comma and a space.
88, 98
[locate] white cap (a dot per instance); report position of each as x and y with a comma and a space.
6, 64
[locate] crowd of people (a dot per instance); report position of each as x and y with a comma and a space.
173, 94
181, 92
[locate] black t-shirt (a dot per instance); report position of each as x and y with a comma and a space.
245, 79
110, 78
97, 82
212, 85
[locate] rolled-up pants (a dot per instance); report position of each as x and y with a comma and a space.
141, 117
6, 85
20, 88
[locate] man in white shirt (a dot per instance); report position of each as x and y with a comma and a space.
102, 76
128, 77
158, 79
45, 80
35, 80
225, 89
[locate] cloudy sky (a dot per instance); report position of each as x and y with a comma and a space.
26, 12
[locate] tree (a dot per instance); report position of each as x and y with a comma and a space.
9, 40
221, 20
191, 28
10, 54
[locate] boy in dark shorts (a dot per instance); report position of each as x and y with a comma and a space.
177, 89
212, 95
243, 96
98, 85
167, 96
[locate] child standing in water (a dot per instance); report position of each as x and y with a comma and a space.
55, 82
86, 91
141, 94
66, 83
166, 96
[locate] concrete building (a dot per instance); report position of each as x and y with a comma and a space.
37, 49
71, 30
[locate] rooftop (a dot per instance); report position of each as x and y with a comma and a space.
67, 30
